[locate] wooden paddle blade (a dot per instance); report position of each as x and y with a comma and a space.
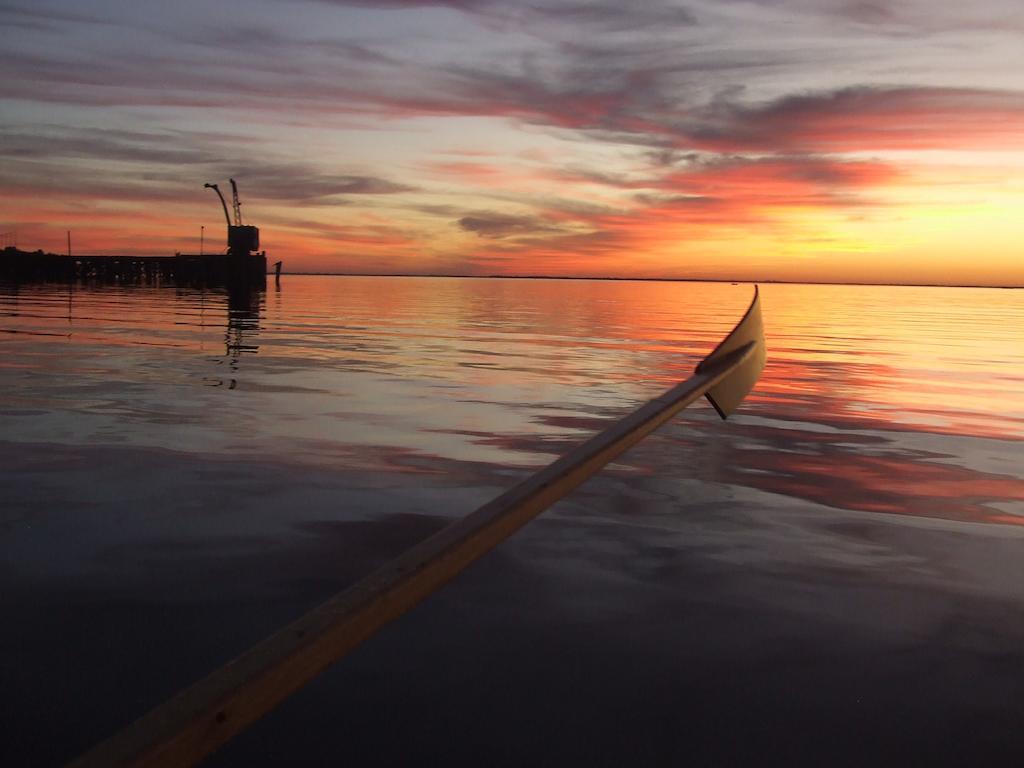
729, 393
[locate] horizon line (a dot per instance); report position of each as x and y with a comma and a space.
461, 276
612, 278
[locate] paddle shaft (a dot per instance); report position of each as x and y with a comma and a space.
191, 725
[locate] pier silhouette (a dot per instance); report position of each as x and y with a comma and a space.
242, 265
186, 270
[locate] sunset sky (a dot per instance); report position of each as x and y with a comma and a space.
738, 139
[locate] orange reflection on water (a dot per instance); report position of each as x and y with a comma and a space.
907, 400
897, 484
938, 360
948, 361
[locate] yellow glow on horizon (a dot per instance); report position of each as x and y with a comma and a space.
955, 219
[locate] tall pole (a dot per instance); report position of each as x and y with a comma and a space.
69, 243
202, 234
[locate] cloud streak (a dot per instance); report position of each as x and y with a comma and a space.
865, 119
500, 225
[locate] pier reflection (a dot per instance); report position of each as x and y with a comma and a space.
243, 323
243, 308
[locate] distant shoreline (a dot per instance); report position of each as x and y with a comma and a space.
651, 279
11, 251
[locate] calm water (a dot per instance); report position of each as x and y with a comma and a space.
184, 471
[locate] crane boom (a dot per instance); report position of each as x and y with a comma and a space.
214, 187
234, 202
241, 240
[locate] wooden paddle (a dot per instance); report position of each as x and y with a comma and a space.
188, 727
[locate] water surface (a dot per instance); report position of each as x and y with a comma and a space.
185, 470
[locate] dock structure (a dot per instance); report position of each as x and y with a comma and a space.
242, 269
242, 266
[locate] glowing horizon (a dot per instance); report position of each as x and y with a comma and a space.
727, 140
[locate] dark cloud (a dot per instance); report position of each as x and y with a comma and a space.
607, 88
863, 118
676, 201
103, 145
160, 165
599, 248
868, 12
273, 45
597, 16
606, 15
687, 195
461, 5
699, 179
590, 176
302, 183
445, 211
652, 89
78, 185
42, 19
901, 19
500, 225
621, 16
373, 236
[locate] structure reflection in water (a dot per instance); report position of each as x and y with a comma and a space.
243, 326
240, 321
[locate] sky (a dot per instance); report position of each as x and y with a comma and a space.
819, 140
